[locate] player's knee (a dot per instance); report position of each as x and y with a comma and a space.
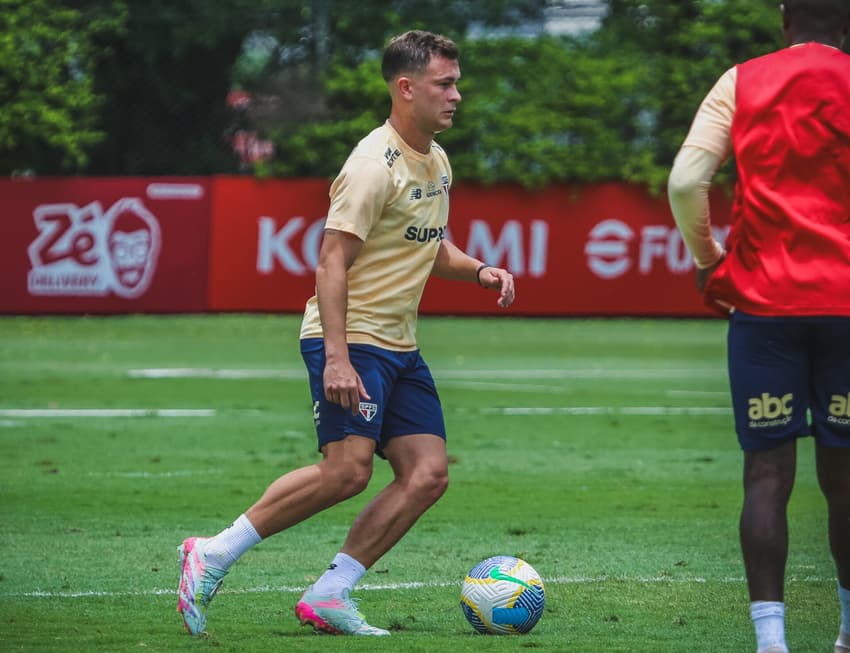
349, 479
769, 489
833, 466
836, 488
769, 473
357, 478
431, 484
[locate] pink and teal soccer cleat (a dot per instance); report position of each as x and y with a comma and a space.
334, 615
199, 583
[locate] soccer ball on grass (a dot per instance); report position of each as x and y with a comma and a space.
502, 595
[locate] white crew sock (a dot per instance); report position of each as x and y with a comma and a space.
227, 547
844, 633
342, 574
769, 621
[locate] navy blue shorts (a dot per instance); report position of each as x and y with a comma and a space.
403, 397
785, 370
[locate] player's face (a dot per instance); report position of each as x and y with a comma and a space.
436, 95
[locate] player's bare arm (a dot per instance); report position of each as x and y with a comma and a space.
337, 253
455, 264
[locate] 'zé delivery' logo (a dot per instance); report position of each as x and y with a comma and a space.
82, 250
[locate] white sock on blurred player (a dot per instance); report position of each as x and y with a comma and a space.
844, 634
769, 621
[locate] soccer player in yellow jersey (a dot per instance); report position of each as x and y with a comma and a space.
372, 393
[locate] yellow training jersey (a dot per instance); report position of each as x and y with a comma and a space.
396, 200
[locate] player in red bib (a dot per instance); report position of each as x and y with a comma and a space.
784, 279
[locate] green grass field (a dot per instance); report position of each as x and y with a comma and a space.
601, 451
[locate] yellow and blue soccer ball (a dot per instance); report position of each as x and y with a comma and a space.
502, 595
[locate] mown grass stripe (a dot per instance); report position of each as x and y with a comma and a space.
413, 585
471, 374
106, 412
647, 411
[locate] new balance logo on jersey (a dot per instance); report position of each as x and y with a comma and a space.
768, 410
416, 193
839, 410
425, 234
368, 411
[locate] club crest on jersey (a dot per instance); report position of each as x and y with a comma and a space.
368, 410
445, 180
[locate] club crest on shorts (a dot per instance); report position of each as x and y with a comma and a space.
368, 410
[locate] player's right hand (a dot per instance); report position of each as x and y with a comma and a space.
343, 385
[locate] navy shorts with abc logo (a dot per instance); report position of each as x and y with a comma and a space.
403, 398
785, 370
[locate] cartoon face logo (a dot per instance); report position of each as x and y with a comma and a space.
84, 251
129, 243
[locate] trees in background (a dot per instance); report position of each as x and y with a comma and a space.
165, 82
681, 48
49, 107
614, 104
139, 86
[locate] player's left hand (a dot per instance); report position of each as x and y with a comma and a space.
501, 280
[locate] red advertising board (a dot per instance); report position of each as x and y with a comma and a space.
121, 245
265, 242
603, 249
104, 245
591, 249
